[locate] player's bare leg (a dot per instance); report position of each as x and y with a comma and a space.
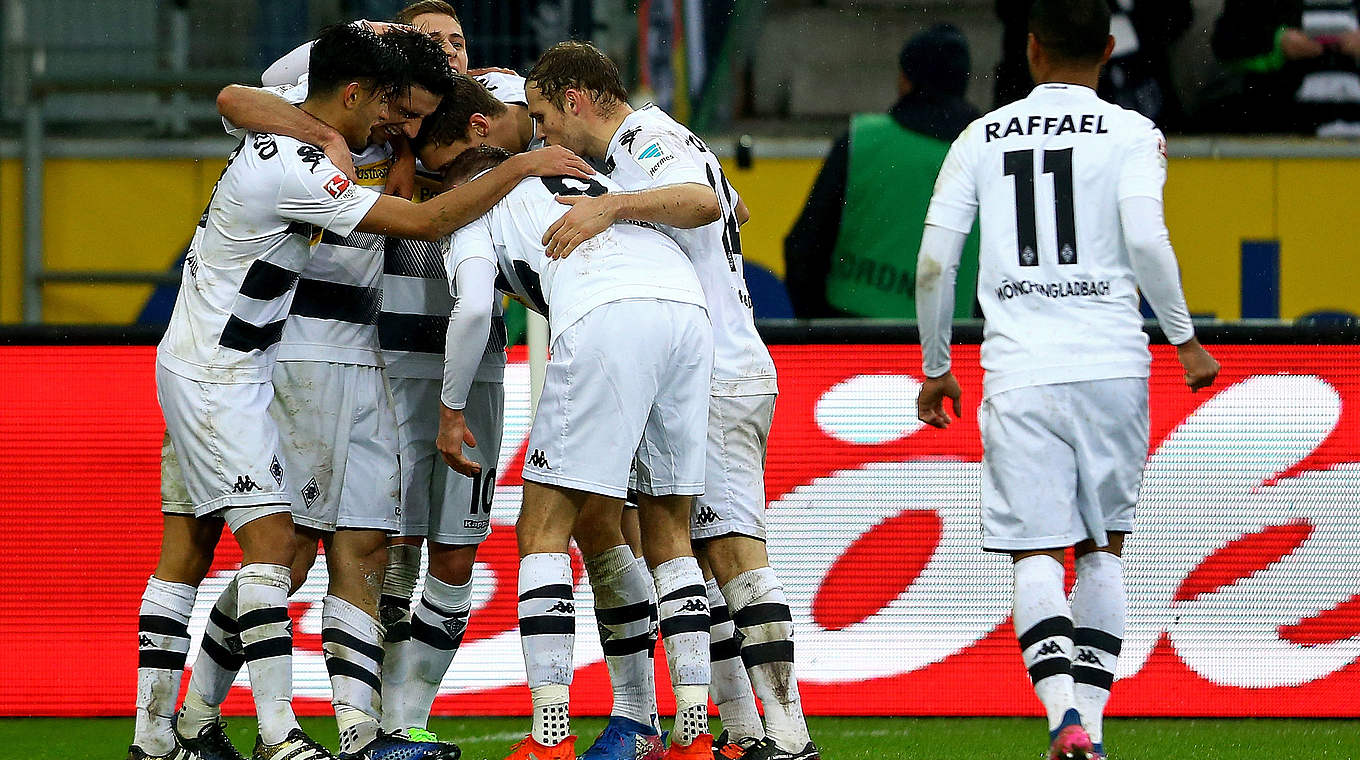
683, 610
1043, 623
187, 547
547, 612
1099, 605
625, 608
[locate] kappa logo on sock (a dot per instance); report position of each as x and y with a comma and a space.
1050, 648
695, 605
537, 459
1086, 655
144, 641
245, 485
563, 606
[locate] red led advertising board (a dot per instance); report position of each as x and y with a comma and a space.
1243, 573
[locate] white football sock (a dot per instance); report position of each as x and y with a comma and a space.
547, 630
683, 610
761, 613
220, 658
625, 614
1098, 609
352, 643
1043, 623
731, 687
411, 684
162, 646
267, 639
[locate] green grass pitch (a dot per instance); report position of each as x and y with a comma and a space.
838, 738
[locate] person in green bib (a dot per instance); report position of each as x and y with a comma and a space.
852, 251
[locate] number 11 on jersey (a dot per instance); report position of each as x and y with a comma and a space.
1020, 165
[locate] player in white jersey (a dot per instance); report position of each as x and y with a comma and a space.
576, 98
1069, 191
214, 364
339, 434
631, 353
451, 510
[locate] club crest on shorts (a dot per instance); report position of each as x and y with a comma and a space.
276, 470
311, 492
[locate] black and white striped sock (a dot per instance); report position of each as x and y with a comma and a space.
220, 658
162, 646
1043, 624
761, 613
437, 626
731, 687
683, 609
626, 615
547, 631
352, 642
267, 639
1099, 605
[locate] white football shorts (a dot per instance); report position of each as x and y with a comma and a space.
339, 439
734, 476
437, 502
1062, 463
228, 447
174, 494
629, 380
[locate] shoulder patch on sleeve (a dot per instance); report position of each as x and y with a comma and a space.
339, 187
654, 156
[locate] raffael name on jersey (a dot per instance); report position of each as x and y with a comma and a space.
1008, 290
1087, 124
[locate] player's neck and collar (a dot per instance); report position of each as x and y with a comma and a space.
611, 129
1045, 68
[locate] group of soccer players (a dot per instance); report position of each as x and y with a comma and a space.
333, 372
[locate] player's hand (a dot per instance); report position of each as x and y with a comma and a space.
1201, 369
453, 433
930, 401
337, 150
1298, 46
401, 178
553, 161
1349, 43
491, 70
587, 218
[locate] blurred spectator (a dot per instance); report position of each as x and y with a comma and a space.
1297, 59
1138, 75
852, 253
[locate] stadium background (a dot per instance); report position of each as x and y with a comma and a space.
1244, 577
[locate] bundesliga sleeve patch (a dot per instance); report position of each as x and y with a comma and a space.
338, 186
654, 156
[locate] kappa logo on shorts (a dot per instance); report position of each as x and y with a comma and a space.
276, 470
245, 485
1049, 648
537, 459
311, 492
706, 516
471, 524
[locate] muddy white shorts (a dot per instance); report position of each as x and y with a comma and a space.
339, 443
230, 458
437, 502
1062, 463
734, 476
629, 379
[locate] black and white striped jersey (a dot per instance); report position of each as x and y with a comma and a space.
274, 200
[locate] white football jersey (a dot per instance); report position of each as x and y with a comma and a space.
650, 149
416, 305
507, 88
334, 316
1058, 292
270, 206
625, 262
